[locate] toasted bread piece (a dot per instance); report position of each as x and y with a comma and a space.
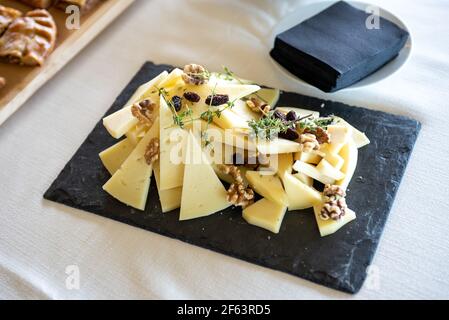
30, 39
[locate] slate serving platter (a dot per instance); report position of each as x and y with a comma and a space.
338, 261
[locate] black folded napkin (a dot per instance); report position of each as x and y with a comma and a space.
334, 49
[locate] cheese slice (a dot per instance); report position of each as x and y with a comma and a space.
136, 134
339, 136
229, 119
328, 227
350, 155
172, 142
241, 109
328, 170
203, 193
312, 172
335, 160
172, 80
308, 157
131, 182
304, 178
284, 164
300, 112
170, 199
300, 196
268, 186
265, 214
359, 138
268, 95
113, 157
123, 120
277, 146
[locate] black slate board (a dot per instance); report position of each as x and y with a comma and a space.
338, 261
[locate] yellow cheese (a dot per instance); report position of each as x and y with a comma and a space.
203, 193
300, 196
359, 138
284, 164
304, 178
339, 136
122, 121
172, 142
114, 156
307, 157
277, 146
268, 95
173, 79
300, 112
241, 109
265, 214
328, 227
229, 119
328, 170
268, 186
131, 182
171, 198
136, 134
312, 172
335, 160
350, 155
227, 178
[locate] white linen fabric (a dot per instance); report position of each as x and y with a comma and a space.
39, 239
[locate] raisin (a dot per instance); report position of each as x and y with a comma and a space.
291, 116
177, 103
279, 115
217, 100
192, 97
290, 134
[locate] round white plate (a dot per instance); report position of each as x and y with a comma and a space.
306, 11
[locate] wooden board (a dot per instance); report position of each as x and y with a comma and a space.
23, 82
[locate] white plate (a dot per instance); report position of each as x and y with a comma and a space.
306, 11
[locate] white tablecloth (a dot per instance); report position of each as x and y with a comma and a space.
39, 239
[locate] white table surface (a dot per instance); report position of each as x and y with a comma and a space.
39, 239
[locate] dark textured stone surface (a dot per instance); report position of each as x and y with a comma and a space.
338, 261
335, 49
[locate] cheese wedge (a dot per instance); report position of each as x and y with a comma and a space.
268, 95
328, 227
307, 157
136, 134
241, 109
113, 157
339, 135
131, 182
284, 164
304, 178
265, 214
312, 172
172, 142
335, 160
350, 155
359, 138
300, 196
300, 112
268, 186
203, 193
170, 199
229, 119
122, 121
277, 146
326, 169
173, 79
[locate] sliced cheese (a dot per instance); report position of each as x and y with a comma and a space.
300, 112
123, 120
277, 146
308, 157
359, 138
312, 172
241, 109
350, 155
284, 164
304, 178
328, 170
171, 198
173, 79
229, 119
113, 157
268, 186
300, 196
268, 95
335, 160
172, 142
203, 193
339, 136
131, 182
328, 227
136, 134
265, 214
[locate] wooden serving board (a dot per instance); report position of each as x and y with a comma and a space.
23, 82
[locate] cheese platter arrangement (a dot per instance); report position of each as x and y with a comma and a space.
289, 182
39, 37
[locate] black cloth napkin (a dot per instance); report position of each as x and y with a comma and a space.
335, 48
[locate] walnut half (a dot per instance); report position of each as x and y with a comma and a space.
334, 203
152, 151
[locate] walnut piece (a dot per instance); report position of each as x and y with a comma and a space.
309, 142
334, 203
238, 194
258, 106
195, 74
152, 151
143, 111
322, 136
29, 40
